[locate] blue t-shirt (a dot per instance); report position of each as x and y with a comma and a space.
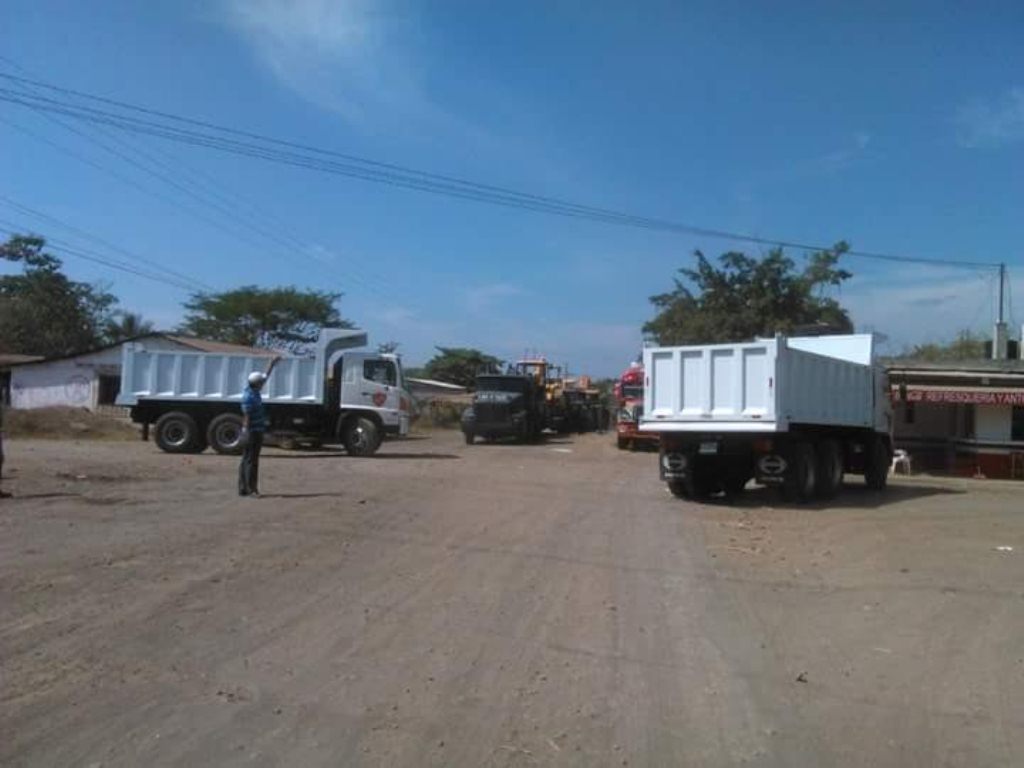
252, 406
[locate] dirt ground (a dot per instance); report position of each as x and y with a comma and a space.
493, 605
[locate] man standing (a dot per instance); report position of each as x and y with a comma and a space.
254, 424
3, 494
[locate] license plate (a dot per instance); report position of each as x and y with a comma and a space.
708, 448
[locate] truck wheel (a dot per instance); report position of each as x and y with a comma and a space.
362, 437
697, 485
225, 433
622, 443
876, 464
679, 488
734, 484
176, 432
802, 479
830, 468
469, 437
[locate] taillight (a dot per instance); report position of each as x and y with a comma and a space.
403, 404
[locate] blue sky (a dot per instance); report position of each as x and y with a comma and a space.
897, 126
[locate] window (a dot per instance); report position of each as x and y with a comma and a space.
381, 372
908, 413
1017, 423
110, 387
968, 421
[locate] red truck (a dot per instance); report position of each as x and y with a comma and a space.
629, 398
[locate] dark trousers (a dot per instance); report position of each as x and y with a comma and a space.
249, 469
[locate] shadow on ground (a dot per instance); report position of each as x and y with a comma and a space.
342, 454
852, 496
301, 496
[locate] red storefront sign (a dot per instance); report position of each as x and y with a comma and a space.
972, 396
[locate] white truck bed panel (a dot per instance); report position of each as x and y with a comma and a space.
208, 376
762, 386
198, 376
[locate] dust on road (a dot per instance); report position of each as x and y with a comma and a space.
497, 605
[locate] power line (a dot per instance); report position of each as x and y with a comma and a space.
366, 169
58, 246
205, 197
178, 277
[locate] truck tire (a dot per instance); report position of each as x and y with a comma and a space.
622, 443
177, 432
876, 464
801, 481
679, 488
734, 483
697, 486
362, 437
225, 433
469, 437
830, 468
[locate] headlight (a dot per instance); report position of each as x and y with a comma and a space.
674, 462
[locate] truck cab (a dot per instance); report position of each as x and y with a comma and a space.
335, 394
505, 406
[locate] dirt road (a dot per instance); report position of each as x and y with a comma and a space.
449, 605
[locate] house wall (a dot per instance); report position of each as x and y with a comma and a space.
992, 422
930, 420
73, 381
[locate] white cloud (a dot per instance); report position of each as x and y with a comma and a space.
481, 297
924, 304
981, 124
399, 317
343, 55
840, 159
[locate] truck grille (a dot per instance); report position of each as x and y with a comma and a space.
491, 412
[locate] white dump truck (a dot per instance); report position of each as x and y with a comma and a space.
335, 395
797, 413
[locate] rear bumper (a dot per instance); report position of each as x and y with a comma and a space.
497, 429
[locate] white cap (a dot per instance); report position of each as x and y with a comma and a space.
256, 378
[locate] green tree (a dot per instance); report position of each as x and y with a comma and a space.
966, 346
458, 365
42, 311
286, 317
746, 297
126, 325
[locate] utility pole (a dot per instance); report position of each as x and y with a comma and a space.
1002, 285
1000, 339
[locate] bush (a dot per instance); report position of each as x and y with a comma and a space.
63, 423
440, 414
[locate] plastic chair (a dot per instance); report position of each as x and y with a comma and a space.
900, 458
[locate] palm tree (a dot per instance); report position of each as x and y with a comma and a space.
127, 325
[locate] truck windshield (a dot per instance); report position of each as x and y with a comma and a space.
381, 372
632, 392
499, 384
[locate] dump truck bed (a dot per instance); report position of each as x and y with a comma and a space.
206, 376
761, 386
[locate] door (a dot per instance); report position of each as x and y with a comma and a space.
372, 382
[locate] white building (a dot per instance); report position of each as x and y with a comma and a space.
92, 379
963, 417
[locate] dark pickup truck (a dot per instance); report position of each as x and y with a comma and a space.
505, 406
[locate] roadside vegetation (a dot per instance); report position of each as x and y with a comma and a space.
60, 423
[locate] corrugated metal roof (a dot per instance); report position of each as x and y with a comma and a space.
206, 345
6, 359
955, 366
199, 345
